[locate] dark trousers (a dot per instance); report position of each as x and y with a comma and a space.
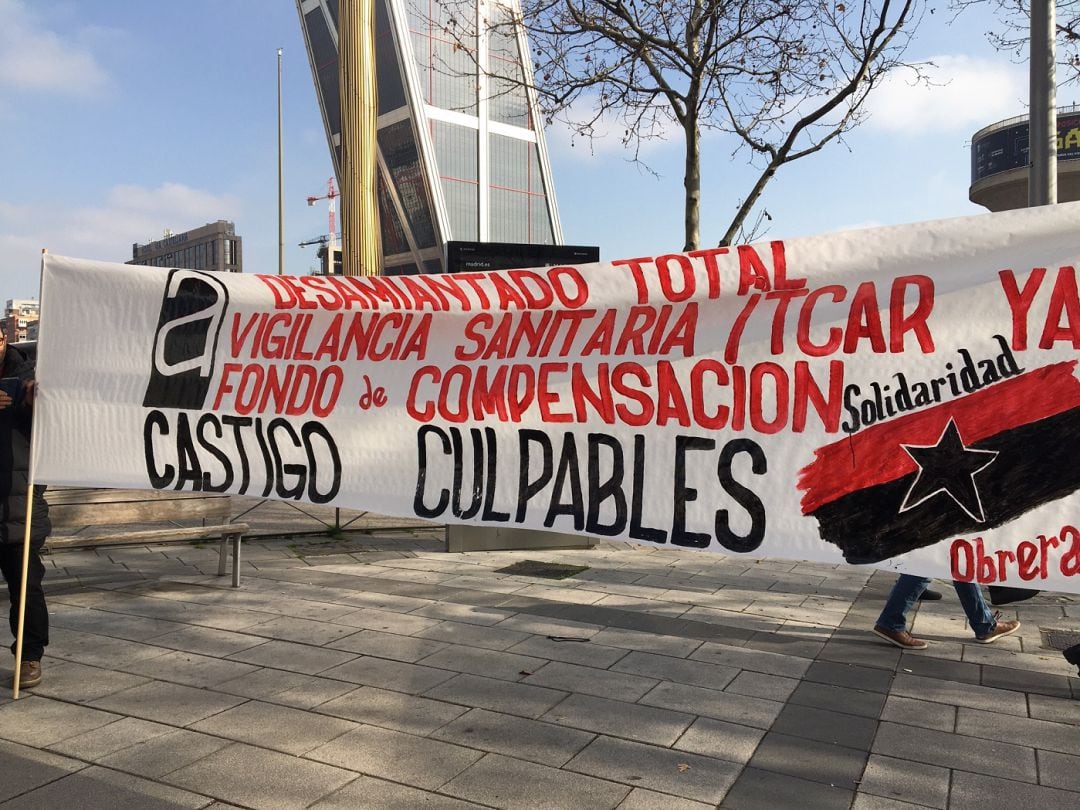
36, 627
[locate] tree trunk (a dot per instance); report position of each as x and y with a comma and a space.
692, 182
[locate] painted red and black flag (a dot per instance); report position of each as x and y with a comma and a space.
958, 468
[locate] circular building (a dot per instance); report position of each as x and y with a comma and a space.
999, 161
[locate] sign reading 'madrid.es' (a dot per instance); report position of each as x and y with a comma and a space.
904, 397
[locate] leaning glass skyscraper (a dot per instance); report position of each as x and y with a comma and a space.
461, 153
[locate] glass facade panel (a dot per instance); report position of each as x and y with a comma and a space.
517, 190
456, 156
509, 103
445, 56
325, 58
509, 216
387, 73
393, 235
403, 160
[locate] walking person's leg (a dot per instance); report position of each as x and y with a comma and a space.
36, 623
892, 623
985, 623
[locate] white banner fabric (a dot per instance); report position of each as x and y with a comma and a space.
904, 397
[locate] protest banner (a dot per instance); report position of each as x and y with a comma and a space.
904, 397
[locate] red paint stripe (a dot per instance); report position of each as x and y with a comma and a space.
873, 456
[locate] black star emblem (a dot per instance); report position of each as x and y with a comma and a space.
948, 467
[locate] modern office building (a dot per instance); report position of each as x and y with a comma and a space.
214, 246
460, 148
1000, 162
20, 319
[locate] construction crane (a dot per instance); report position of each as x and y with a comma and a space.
330, 240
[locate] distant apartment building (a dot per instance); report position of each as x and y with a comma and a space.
214, 246
20, 319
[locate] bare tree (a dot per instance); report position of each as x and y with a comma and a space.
1012, 32
785, 77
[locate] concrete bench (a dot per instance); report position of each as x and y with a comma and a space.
121, 516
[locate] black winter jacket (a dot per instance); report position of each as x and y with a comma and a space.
15, 424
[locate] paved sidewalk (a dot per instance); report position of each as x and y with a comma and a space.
381, 672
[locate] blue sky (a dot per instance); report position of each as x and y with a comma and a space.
120, 118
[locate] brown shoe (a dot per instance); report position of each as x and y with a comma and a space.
900, 638
29, 674
1000, 630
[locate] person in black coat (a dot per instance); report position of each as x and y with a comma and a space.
16, 412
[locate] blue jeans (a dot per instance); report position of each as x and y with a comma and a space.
908, 589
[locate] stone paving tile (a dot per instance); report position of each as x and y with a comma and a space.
569, 649
388, 621
104, 740
302, 631
208, 641
955, 751
977, 792
544, 743
281, 728
1001, 701
293, 657
591, 681
870, 679
40, 721
388, 645
904, 780
503, 782
641, 799
839, 699
826, 726
95, 650
1059, 770
1050, 664
764, 790
864, 649
190, 669
522, 699
786, 643
265, 683
271, 780
473, 635
832, 764
399, 757
1061, 737
921, 713
548, 626
747, 711
760, 685
616, 718
113, 625
720, 740
940, 668
674, 646
868, 801
753, 660
394, 710
1054, 709
662, 667
385, 674
101, 787
77, 683
377, 794
25, 768
158, 756
680, 773
1023, 681
468, 614
488, 663
169, 703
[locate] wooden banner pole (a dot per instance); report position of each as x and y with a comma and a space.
20, 627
